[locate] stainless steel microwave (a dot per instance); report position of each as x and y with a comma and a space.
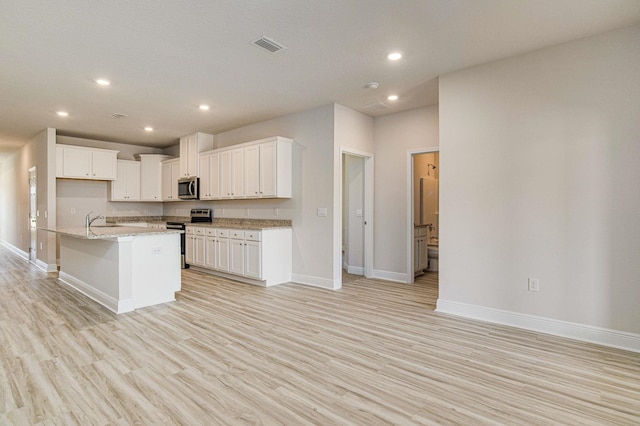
189, 188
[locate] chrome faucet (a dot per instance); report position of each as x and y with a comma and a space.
88, 220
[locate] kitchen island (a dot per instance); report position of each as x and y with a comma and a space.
122, 268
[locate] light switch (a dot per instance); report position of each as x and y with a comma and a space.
322, 211
358, 212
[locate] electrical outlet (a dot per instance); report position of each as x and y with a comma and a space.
534, 284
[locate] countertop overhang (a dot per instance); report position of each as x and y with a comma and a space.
109, 232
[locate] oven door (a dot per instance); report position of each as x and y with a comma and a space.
188, 188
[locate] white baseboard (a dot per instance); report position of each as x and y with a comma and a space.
390, 276
16, 250
355, 270
315, 281
105, 300
582, 332
46, 267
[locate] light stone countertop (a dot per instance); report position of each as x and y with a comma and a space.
107, 232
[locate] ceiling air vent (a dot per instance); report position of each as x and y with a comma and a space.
118, 116
268, 44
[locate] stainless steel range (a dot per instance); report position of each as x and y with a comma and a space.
197, 216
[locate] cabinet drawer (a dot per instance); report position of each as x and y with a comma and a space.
223, 233
236, 234
252, 235
199, 230
210, 232
189, 230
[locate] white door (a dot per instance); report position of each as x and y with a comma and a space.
222, 260
253, 260
236, 256
252, 172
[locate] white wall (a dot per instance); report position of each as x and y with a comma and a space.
14, 198
396, 135
313, 149
540, 178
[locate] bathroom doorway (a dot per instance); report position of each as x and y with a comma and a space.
423, 207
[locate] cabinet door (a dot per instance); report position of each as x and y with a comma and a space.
222, 254
190, 249
214, 176
175, 172
119, 186
253, 259
166, 182
237, 167
199, 250
189, 155
424, 252
104, 165
76, 162
416, 255
132, 191
236, 256
268, 165
150, 179
225, 174
205, 179
210, 252
252, 171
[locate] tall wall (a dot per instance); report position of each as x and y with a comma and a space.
539, 178
313, 173
14, 198
396, 135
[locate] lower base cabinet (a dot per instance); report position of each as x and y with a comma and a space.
260, 257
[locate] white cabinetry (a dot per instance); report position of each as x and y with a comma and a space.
127, 185
190, 146
259, 169
210, 176
195, 246
258, 257
232, 173
78, 162
170, 175
236, 252
420, 245
275, 168
151, 176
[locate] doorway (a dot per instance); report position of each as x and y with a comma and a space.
423, 238
356, 207
33, 215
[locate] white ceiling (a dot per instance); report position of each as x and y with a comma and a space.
165, 57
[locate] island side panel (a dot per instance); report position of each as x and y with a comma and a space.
156, 269
91, 267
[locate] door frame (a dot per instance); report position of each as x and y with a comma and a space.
367, 216
410, 207
33, 208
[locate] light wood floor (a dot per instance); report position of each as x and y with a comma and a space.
228, 353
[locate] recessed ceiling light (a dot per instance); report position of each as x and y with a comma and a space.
392, 97
204, 107
149, 129
62, 113
102, 81
394, 56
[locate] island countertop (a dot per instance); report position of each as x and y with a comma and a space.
109, 232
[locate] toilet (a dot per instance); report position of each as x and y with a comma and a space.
432, 256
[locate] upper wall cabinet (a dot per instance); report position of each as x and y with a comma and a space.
190, 147
127, 186
259, 169
151, 176
78, 162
